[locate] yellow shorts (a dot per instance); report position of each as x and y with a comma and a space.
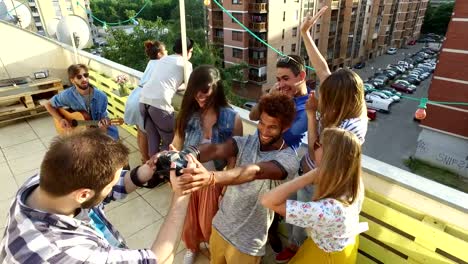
224, 253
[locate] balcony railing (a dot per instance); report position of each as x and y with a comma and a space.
258, 7
218, 40
257, 62
257, 79
258, 26
253, 43
411, 219
218, 23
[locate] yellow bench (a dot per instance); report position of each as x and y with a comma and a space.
399, 234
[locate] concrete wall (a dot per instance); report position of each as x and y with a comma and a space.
23, 53
443, 150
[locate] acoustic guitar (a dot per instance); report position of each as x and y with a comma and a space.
79, 121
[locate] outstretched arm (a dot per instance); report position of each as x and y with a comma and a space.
317, 60
276, 198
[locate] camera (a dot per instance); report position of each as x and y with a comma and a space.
163, 165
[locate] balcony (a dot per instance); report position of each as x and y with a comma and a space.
411, 219
257, 79
257, 62
253, 43
258, 8
36, 14
32, 3
218, 40
258, 26
217, 23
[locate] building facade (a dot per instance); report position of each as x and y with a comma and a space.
443, 140
351, 31
44, 12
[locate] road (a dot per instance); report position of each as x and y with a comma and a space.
392, 137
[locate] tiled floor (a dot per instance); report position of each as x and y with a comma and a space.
138, 217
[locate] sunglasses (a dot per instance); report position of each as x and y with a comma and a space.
79, 76
287, 59
317, 144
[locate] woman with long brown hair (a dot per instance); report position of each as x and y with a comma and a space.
331, 219
205, 117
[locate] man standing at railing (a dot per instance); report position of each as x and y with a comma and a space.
81, 97
290, 76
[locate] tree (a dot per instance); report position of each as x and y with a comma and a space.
437, 18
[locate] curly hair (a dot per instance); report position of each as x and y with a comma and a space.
279, 106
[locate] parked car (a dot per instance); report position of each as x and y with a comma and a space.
405, 82
377, 103
376, 83
390, 74
382, 77
249, 105
368, 87
402, 88
392, 51
412, 42
391, 92
397, 68
386, 96
360, 65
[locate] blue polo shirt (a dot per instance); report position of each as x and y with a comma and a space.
297, 133
73, 99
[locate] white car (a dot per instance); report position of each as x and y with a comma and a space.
377, 103
391, 51
383, 95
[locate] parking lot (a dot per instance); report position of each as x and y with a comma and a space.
392, 137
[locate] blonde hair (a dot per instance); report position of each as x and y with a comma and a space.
341, 96
340, 168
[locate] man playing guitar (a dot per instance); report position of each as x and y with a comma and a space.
81, 97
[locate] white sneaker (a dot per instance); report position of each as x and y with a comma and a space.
189, 257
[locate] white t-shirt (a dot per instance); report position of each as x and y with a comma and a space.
165, 79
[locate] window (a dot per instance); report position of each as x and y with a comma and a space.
237, 53
284, 16
282, 36
238, 16
237, 36
294, 32
296, 18
318, 28
237, 2
293, 48
282, 49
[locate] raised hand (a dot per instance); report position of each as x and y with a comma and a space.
311, 104
309, 20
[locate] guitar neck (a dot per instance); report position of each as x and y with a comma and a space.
85, 122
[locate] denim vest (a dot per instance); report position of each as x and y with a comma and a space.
221, 131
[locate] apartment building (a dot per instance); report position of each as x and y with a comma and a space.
444, 137
351, 31
45, 11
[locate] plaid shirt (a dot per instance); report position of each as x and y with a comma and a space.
34, 236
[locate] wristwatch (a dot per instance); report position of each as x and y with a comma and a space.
134, 177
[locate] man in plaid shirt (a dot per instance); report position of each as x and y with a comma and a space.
58, 217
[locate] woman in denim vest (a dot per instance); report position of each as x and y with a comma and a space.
205, 117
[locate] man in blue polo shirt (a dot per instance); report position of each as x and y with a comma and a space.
290, 77
82, 97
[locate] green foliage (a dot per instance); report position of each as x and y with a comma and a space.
117, 10
436, 19
437, 174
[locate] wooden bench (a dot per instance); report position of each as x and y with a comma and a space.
399, 234
22, 101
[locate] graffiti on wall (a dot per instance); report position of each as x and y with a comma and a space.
437, 154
